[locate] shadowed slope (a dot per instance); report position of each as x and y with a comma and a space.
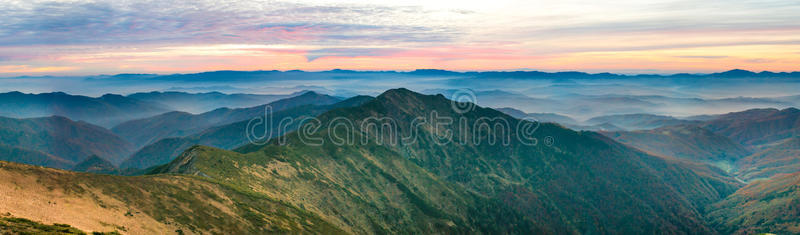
683, 141
64, 138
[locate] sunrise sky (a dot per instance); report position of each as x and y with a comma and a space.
660, 36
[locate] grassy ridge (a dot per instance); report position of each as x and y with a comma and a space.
572, 186
186, 203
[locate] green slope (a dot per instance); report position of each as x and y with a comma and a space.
583, 183
766, 206
782, 158
757, 128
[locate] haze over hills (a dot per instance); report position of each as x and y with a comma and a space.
178, 124
637, 121
204, 102
413, 117
575, 94
231, 135
107, 110
752, 144
541, 117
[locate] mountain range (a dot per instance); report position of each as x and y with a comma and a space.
107, 110
208, 101
439, 182
232, 135
178, 124
383, 165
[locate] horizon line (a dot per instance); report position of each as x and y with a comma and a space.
427, 70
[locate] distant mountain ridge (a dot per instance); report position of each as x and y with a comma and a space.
228, 136
106, 111
640, 121
145, 131
227, 74
204, 102
540, 117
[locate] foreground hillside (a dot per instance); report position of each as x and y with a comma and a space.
14, 225
145, 204
341, 174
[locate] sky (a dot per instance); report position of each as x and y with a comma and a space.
657, 36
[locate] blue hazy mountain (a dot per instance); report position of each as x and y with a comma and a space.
144, 131
540, 117
639, 121
204, 102
229, 136
107, 110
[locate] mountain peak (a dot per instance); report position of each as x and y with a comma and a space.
405, 99
309, 93
96, 164
736, 73
398, 91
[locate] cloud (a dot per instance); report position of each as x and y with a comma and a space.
349, 52
31, 69
123, 23
760, 60
701, 57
